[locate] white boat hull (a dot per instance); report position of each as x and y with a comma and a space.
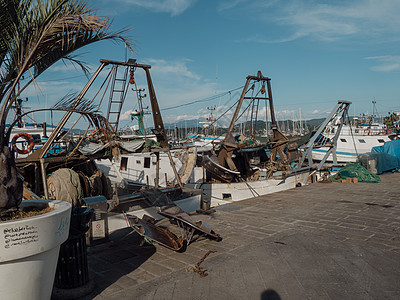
350, 143
139, 168
223, 193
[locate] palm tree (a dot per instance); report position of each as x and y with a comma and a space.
34, 35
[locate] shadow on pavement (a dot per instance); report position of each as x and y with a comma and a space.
270, 295
110, 261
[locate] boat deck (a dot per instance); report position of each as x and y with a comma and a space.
322, 241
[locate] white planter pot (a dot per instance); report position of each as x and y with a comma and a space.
29, 250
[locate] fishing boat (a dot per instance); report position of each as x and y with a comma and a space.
145, 159
73, 175
244, 168
353, 140
25, 138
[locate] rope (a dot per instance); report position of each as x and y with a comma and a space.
249, 186
352, 136
203, 100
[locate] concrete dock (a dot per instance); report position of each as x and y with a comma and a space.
322, 241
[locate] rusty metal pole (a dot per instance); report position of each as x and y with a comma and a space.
229, 137
271, 104
159, 125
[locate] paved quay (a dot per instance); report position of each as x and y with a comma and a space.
322, 241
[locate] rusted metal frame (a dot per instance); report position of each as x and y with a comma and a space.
186, 231
147, 228
271, 104
229, 138
54, 159
257, 78
266, 116
229, 144
255, 98
252, 110
253, 128
158, 123
277, 134
131, 63
251, 118
37, 175
38, 154
255, 119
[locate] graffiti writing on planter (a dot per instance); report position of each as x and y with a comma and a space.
20, 235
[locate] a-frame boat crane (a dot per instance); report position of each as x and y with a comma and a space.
40, 158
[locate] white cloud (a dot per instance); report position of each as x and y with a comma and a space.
187, 117
327, 20
177, 68
174, 7
316, 112
126, 115
230, 4
386, 63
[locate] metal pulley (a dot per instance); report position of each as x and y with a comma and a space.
131, 76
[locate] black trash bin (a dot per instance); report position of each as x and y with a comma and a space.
72, 267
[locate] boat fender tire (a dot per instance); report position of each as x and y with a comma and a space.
28, 138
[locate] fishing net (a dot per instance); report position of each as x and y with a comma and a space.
64, 184
354, 170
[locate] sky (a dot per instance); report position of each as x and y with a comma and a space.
315, 52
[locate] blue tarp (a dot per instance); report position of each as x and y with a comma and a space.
383, 162
391, 147
387, 156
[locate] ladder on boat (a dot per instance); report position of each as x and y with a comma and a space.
119, 88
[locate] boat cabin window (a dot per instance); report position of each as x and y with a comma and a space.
343, 140
124, 164
333, 130
147, 162
138, 162
381, 141
226, 196
362, 141
356, 131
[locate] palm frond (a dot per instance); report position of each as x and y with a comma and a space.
67, 102
41, 32
88, 110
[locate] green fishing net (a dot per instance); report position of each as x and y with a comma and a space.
354, 170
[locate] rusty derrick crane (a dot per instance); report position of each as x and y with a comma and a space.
277, 143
